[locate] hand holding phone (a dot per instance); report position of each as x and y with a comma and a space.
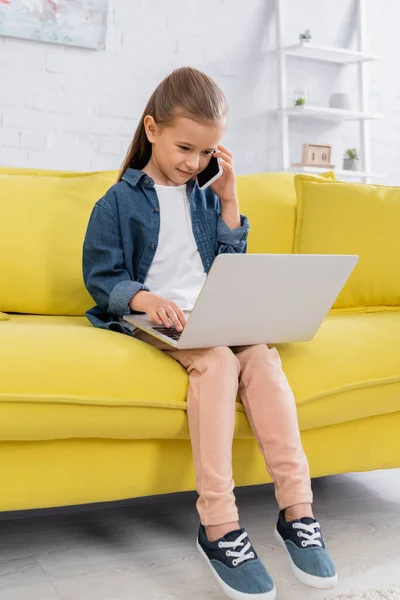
221, 175
210, 174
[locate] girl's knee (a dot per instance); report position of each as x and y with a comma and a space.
221, 359
265, 354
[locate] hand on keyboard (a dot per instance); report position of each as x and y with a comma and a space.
159, 310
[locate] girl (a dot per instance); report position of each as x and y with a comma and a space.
150, 243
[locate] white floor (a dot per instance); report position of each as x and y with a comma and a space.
147, 551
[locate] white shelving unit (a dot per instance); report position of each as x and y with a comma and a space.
339, 172
327, 53
329, 114
340, 56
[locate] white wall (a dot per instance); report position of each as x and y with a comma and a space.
70, 108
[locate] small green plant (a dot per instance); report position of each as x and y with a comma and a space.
352, 153
300, 101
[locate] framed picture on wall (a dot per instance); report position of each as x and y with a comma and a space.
72, 22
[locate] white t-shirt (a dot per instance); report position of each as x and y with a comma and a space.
176, 272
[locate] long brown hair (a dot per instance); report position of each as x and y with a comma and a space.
187, 91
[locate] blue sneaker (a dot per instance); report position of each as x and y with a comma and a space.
236, 566
309, 558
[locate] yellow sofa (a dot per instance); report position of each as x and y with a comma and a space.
88, 415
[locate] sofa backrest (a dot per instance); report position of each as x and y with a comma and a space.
43, 219
269, 200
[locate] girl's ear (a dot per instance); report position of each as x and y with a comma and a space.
151, 128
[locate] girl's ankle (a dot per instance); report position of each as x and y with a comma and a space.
297, 511
215, 532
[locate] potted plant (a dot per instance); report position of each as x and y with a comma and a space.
300, 97
305, 37
350, 161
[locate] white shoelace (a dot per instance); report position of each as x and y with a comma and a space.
309, 533
239, 556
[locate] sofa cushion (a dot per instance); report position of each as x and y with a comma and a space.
62, 378
269, 200
42, 226
353, 218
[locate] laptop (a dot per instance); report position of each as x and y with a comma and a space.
251, 299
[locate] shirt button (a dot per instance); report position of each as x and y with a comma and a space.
156, 210
146, 180
138, 279
152, 246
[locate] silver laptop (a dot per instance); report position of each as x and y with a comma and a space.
258, 299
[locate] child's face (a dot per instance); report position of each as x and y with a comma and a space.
183, 148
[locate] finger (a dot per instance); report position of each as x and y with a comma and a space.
174, 318
164, 317
155, 318
181, 316
225, 150
228, 170
225, 157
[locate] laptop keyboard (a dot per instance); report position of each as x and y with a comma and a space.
170, 332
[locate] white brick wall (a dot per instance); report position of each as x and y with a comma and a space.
70, 108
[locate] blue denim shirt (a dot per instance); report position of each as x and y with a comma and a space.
122, 237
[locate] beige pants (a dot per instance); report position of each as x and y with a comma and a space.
215, 377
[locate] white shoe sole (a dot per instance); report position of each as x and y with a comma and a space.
230, 592
321, 583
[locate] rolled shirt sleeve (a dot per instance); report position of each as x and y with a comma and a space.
120, 296
104, 273
232, 240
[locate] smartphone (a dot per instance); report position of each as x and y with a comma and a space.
210, 173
